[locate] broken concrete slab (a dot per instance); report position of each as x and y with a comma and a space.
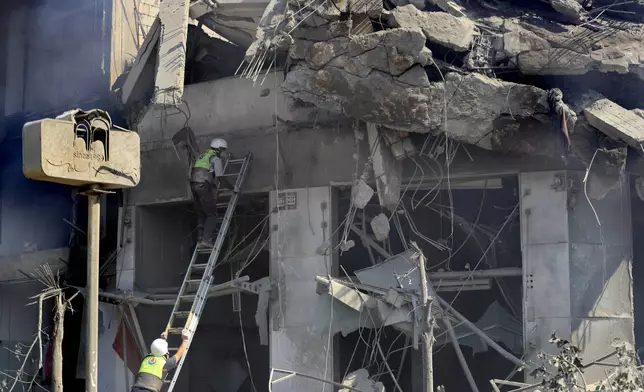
616, 122
359, 380
555, 61
171, 65
375, 80
393, 51
361, 193
380, 227
570, 8
519, 40
621, 51
476, 101
439, 27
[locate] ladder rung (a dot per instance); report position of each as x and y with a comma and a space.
194, 282
190, 302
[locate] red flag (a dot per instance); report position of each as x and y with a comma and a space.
133, 358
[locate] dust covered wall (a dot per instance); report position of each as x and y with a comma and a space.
31, 212
66, 52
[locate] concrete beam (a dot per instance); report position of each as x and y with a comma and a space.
387, 170
617, 122
171, 66
145, 52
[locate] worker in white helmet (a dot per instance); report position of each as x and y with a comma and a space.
156, 365
206, 172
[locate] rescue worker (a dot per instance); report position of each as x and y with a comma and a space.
155, 366
206, 172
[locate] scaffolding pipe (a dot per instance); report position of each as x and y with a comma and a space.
459, 354
480, 333
167, 299
489, 273
427, 332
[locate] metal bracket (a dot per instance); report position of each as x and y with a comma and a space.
253, 287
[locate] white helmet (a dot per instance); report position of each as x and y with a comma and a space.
159, 347
218, 143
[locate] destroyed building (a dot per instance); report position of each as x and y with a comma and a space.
56, 55
502, 137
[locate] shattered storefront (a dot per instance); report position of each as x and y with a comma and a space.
500, 140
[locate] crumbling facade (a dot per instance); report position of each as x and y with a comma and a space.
499, 136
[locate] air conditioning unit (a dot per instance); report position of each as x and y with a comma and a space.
81, 152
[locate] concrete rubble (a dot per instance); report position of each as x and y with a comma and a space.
616, 122
397, 77
380, 227
360, 380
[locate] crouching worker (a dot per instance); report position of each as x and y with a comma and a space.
155, 366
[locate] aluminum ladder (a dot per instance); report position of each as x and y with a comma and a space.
198, 278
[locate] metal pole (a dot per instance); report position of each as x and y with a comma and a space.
459, 354
480, 333
490, 273
426, 303
91, 297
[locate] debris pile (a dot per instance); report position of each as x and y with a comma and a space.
441, 67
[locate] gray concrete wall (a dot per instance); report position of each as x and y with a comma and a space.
222, 106
310, 157
314, 153
577, 274
313, 148
300, 338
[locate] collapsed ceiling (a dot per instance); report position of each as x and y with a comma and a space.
473, 70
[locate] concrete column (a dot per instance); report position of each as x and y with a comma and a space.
171, 66
299, 338
127, 249
577, 273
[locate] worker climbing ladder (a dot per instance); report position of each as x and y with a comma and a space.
199, 276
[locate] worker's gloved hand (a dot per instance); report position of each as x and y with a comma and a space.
185, 334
